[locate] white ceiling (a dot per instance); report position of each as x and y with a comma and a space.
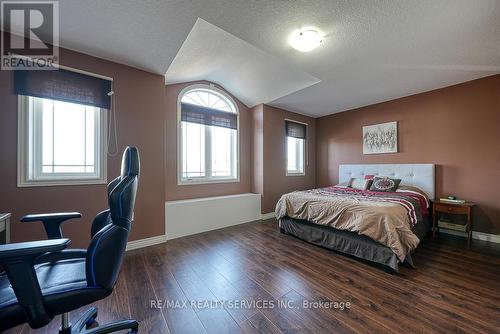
254, 76
374, 50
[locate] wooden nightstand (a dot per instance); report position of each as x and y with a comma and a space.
456, 209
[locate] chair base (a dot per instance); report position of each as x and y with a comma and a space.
89, 318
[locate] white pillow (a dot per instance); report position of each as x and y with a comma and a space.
360, 184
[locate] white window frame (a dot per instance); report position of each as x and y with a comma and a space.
208, 162
304, 153
28, 173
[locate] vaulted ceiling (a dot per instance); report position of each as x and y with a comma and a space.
373, 50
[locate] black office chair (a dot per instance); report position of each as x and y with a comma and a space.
42, 279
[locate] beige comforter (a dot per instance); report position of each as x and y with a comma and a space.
383, 220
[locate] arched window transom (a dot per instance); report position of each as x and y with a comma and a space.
208, 98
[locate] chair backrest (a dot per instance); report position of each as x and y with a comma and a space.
110, 232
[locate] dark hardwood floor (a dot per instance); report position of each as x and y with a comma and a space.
453, 290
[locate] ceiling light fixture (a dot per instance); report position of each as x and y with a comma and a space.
305, 40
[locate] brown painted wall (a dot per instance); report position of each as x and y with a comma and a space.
257, 185
177, 192
140, 101
457, 128
275, 182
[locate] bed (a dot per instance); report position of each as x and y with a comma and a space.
383, 228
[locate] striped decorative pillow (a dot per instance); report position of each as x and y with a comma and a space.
360, 184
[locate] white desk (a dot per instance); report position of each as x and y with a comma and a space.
5, 225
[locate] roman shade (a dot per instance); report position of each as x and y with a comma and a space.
202, 115
296, 130
64, 85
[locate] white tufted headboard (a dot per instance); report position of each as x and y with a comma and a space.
418, 175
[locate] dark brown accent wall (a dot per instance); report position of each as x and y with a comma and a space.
457, 128
140, 101
257, 185
269, 155
173, 191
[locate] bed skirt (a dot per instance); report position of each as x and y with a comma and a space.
346, 242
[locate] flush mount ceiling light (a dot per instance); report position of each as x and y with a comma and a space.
305, 40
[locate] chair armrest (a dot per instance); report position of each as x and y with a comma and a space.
31, 249
52, 222
18, 261
51, 216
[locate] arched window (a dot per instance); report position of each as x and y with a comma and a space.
208, 136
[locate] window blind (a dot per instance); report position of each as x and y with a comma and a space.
202, 115
64, 85
296, 130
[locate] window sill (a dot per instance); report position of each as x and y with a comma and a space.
295, 174
206, 181
52, 183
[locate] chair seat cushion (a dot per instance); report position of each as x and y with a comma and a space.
64, 288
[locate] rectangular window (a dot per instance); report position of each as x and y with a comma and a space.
295, 147
60, 143
193, 144
208, 153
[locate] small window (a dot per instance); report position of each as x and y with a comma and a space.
295, 148
208, 136
60, 143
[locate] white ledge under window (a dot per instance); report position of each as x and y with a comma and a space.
60, 182
295, 174
188, 181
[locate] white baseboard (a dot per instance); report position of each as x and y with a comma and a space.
475, 235
136, 244
266, 216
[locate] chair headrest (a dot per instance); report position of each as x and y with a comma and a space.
130, 162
